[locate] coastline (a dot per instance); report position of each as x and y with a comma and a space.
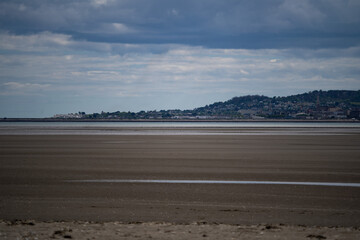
171, 120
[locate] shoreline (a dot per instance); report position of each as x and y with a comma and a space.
207, 129
174, 120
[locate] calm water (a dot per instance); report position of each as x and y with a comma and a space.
185, 124
179, 128
331, 184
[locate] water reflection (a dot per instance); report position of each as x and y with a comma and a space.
332, 184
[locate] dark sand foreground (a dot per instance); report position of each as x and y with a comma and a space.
35, 171
151, 230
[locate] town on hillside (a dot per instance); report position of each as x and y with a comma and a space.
315, 105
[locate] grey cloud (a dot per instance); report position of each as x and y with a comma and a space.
209, 23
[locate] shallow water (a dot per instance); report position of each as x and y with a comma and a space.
332, 184
185, 124
179, 128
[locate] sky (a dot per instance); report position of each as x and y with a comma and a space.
64, 56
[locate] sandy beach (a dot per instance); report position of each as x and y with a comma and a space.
37, 184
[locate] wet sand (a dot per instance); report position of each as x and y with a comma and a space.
35, 172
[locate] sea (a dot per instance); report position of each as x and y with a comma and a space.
179, 128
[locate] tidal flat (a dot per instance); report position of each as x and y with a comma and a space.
42, 179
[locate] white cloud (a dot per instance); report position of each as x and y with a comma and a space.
94, 69
18, 88
28, 86
34, 42
244, 72
98, 3
121, 28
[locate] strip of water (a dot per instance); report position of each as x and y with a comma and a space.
332, 184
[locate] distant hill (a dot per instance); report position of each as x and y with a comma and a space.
334, 97
333, 104
337, 96
315, 104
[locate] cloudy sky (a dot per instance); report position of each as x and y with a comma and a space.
131, 55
